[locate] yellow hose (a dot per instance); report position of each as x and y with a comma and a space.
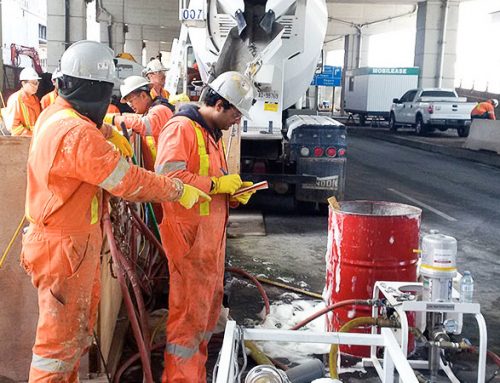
334, 349
11, 242
356, 322
257, 355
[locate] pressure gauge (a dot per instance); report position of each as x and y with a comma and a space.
450, 326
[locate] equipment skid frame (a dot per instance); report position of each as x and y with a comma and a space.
391, 291
393, 356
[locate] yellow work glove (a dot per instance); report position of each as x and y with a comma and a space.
191, 195
121, 143
226, 184
245, 197
108, 118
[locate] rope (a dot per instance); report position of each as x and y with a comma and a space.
11, 242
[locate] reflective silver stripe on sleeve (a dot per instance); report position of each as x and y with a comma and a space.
170, 167
181, 351
51, 365
116, 176
207, 336
146, 122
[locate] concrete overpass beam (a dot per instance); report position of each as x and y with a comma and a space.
62, 31
436, 41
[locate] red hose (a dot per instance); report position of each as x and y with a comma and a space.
347, 302
257, 284
130, 361
117, 257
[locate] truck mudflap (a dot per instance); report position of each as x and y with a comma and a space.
330, 179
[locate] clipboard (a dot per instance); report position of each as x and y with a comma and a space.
258, 186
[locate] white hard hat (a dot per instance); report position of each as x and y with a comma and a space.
494, 102
154, 66
28, 74
56, 74
236, 89
89, 60
132, 83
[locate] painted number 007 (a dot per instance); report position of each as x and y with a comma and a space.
192, 14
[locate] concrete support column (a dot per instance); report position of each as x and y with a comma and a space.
117, 35
352, 45
152, 49
1, 55
133, 42
365, 47
66, 24
436, 41
111, 18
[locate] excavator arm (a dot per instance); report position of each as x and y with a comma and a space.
18, 50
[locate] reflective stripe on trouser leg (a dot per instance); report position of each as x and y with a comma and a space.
68, 290
195, 283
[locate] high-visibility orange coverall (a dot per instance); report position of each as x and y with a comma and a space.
69, 164
163, 93
112, 108
484, 110
194, 241
21, 113
48, 99
149, 124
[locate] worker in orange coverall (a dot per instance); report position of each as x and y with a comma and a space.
23, 106
50, 97
190, 148
155, 73
150, 114
70, 163
485, 110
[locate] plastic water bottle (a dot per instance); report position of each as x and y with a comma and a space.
466, 287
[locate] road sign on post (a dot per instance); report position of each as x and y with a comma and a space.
331, 76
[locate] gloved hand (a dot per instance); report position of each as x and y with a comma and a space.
191, 195
106, 130
245, 197
121, 143
226, 184
108, 118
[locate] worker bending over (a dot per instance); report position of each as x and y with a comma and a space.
190, 148
150, 114
69, 165
485, 110
155, 73
23, 106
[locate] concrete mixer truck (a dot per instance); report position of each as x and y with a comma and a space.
278, 43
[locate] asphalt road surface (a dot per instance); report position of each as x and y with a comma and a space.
458, 197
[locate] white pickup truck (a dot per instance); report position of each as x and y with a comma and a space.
430, 109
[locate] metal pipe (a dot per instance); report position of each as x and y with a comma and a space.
443, 44
67, 41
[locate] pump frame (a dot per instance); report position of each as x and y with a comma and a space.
393, 357
397, 300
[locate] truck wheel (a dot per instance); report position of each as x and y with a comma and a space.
463, 131
362, 119
420, 128
393, 126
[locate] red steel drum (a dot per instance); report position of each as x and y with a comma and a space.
368, 241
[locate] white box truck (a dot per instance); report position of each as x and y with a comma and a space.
370, 91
